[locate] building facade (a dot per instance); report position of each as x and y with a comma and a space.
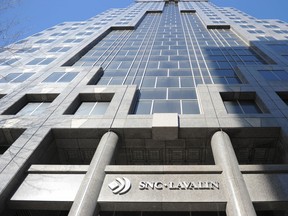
166, 107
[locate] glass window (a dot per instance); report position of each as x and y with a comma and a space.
15, 77
92, 108
190, 107
187, 82
41, 61
59, 49
8, 61
54, 77
73, 40
34, 108
166, 106
182, 93
153, 94
242, 107
274, 75
144, 107
45, 41
61, 77
27, 50
22, 77
168, 82
68, 77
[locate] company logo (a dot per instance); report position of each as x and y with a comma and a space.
120, 185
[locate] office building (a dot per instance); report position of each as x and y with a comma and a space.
165, 107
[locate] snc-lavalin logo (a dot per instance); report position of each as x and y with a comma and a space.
120, 185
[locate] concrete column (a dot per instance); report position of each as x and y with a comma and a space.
85, 203
239, 202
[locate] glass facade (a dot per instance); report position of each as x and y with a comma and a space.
167, 56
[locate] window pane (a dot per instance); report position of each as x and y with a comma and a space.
250, 107
46, 61
190, 107
149, 82
268, 75
283, 75
219, 80
85, 108
187, 82
9, 77
188, 93
168, 82
68, 77
103, 81
35, 61
153, 94
100, 108
29, 108
232, 107
55, 49
164, 106
233, 80
41, 109
54, 77
64, 49
144, 107
22, 78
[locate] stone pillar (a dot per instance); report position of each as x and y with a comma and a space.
238, 200
85, 202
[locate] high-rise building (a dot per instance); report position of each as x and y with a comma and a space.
166, 107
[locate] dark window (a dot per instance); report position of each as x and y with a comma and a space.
283, 96
240, 103
242, 107
31, 104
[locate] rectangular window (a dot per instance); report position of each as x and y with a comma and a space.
41, 61
59, 49
61, 77
27, 50
256, 31
45, 41
31, 104
73, 40
166, 106
274, 75
34, 108
240, 103
15, 77
4, 62
241, 107
92, 108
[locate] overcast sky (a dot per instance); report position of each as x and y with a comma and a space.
33, 16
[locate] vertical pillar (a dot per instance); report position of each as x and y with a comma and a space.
85, 202
238, 200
